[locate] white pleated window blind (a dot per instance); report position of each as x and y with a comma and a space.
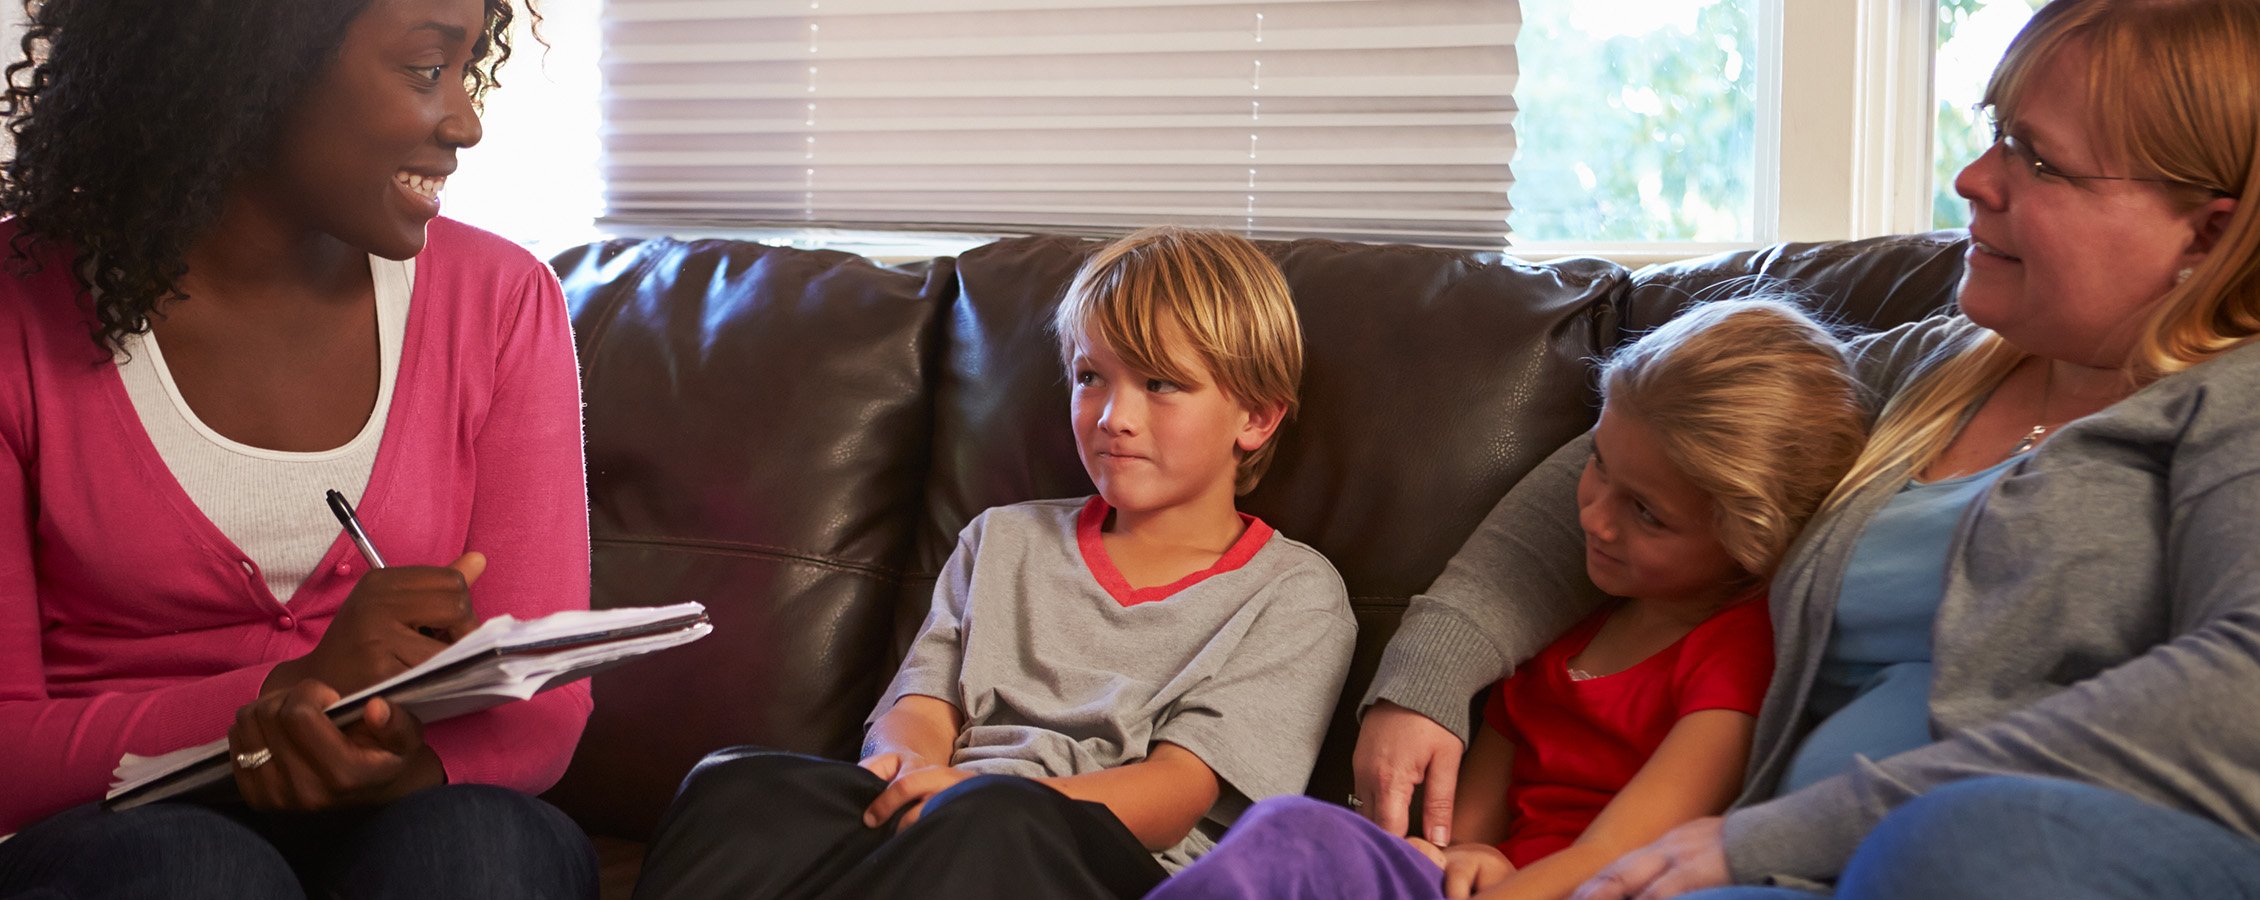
1382, 120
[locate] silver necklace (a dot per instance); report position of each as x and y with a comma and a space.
2047, 388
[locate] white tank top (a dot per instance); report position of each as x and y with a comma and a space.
269, 502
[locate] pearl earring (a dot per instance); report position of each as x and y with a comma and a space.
2184, 274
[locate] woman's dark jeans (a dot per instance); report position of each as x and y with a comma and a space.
471, 841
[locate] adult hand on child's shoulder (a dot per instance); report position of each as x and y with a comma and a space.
300, 761
911, 786
1473, 867
1690, 857
1399, 749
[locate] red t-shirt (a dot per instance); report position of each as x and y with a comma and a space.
1577, 743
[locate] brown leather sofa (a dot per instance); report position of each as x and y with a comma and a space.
794, 438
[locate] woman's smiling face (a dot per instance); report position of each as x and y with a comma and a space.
2068, 267
365, 153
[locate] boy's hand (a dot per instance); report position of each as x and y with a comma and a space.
908, 785
886, 765
1473, 867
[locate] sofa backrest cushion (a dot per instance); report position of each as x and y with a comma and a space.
1862, 285
758, 424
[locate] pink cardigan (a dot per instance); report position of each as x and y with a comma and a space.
128, 622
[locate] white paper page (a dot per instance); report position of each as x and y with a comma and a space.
505, 632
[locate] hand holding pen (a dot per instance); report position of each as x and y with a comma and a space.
395, 618
289, 756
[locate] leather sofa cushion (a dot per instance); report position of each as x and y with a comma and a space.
758, 424
1862, 285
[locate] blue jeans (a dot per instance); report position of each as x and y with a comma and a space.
2003, 838
472, 841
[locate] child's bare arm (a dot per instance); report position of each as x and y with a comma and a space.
1696, 772
1160, 797
920, 731
1479, 808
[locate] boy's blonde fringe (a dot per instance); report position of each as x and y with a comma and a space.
1165, 292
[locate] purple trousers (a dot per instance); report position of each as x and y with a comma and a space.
1292, 848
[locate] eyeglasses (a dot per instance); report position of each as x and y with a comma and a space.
2022, 155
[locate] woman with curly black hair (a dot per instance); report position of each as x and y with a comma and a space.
225, 290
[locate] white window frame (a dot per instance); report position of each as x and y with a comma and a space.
1855, 78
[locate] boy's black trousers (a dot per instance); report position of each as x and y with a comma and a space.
752, 823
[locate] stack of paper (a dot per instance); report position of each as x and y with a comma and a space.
504, 660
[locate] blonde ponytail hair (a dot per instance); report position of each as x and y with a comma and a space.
1756, 406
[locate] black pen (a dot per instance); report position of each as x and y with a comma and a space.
368, 550
353, 530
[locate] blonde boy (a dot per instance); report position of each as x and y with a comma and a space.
1103, 683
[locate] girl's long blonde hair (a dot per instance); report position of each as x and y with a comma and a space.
1756, 406
2174, 93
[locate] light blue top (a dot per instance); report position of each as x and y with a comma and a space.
1873, 691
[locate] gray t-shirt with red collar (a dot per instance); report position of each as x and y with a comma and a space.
1061, 669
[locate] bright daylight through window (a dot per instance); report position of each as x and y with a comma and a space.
1636, 121
1972, 34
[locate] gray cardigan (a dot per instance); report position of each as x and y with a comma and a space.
2101, 619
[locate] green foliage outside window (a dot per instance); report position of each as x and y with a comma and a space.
1962, 131
1644, 135
1647, 132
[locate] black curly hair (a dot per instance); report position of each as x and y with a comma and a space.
131, 118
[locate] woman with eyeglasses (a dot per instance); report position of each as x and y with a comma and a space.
2019, 651
224, 291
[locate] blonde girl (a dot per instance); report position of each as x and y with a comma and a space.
1720, 433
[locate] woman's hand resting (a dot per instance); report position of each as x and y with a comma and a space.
1398, 750
1688, 858
302, 762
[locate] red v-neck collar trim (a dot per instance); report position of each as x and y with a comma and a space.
1088, 539
1591, 628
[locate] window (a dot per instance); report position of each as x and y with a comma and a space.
1637, 121
533, 178
1972, 35
1360, 119
1642, 129
1639, 128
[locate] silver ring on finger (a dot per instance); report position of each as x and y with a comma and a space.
1355, 803
253, 759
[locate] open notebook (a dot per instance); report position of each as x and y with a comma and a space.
504, 660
